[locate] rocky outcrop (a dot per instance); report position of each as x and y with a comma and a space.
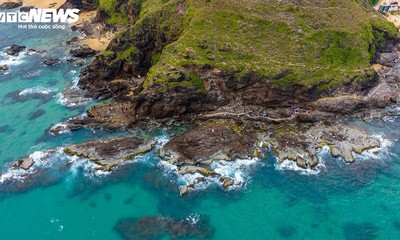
82, 52
10, 5
51, 61
301, 145
109, 153
4, 67
23, 163
14, 50
207, 144
26, 8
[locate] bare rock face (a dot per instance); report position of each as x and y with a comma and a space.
4, 67
340, 104
23, 163
83, 51
110, 152
206, 144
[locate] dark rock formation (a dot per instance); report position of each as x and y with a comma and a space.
83, 51
10, 5
51, 61
14, 50
110, 152
4, 67
206, 144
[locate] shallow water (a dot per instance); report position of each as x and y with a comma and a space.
340, 201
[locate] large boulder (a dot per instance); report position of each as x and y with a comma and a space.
109, 153
14, 50
51, 61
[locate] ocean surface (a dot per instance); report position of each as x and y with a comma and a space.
140, 200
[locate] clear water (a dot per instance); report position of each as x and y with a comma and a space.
359, 201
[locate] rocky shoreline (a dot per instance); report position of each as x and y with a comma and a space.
232, 118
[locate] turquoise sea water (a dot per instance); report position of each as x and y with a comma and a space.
359, 201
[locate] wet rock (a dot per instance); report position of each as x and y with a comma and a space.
206, 144
301, 163
226, 182
82, 52
26, 8
10, 5
183, 190
35, 51
194, 169
109, 153
14, 50
301, 145
72, 40
23, 163
161, 227
4, 67
51, 61
79, 62
36, 114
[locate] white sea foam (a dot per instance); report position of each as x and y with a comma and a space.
37, 90
193, 218
289, 165
381, 152
9, 60
239, 170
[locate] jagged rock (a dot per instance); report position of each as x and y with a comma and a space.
34, 51
14, 50
83, 52
79, 62
109, 153
301, 145
207, 144
301, 163
226, 182
183, 190
51, 61
4, 67
23, 163
194, 169
10, 5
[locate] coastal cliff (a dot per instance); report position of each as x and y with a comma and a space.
244, 75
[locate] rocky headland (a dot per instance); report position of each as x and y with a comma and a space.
245, 75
